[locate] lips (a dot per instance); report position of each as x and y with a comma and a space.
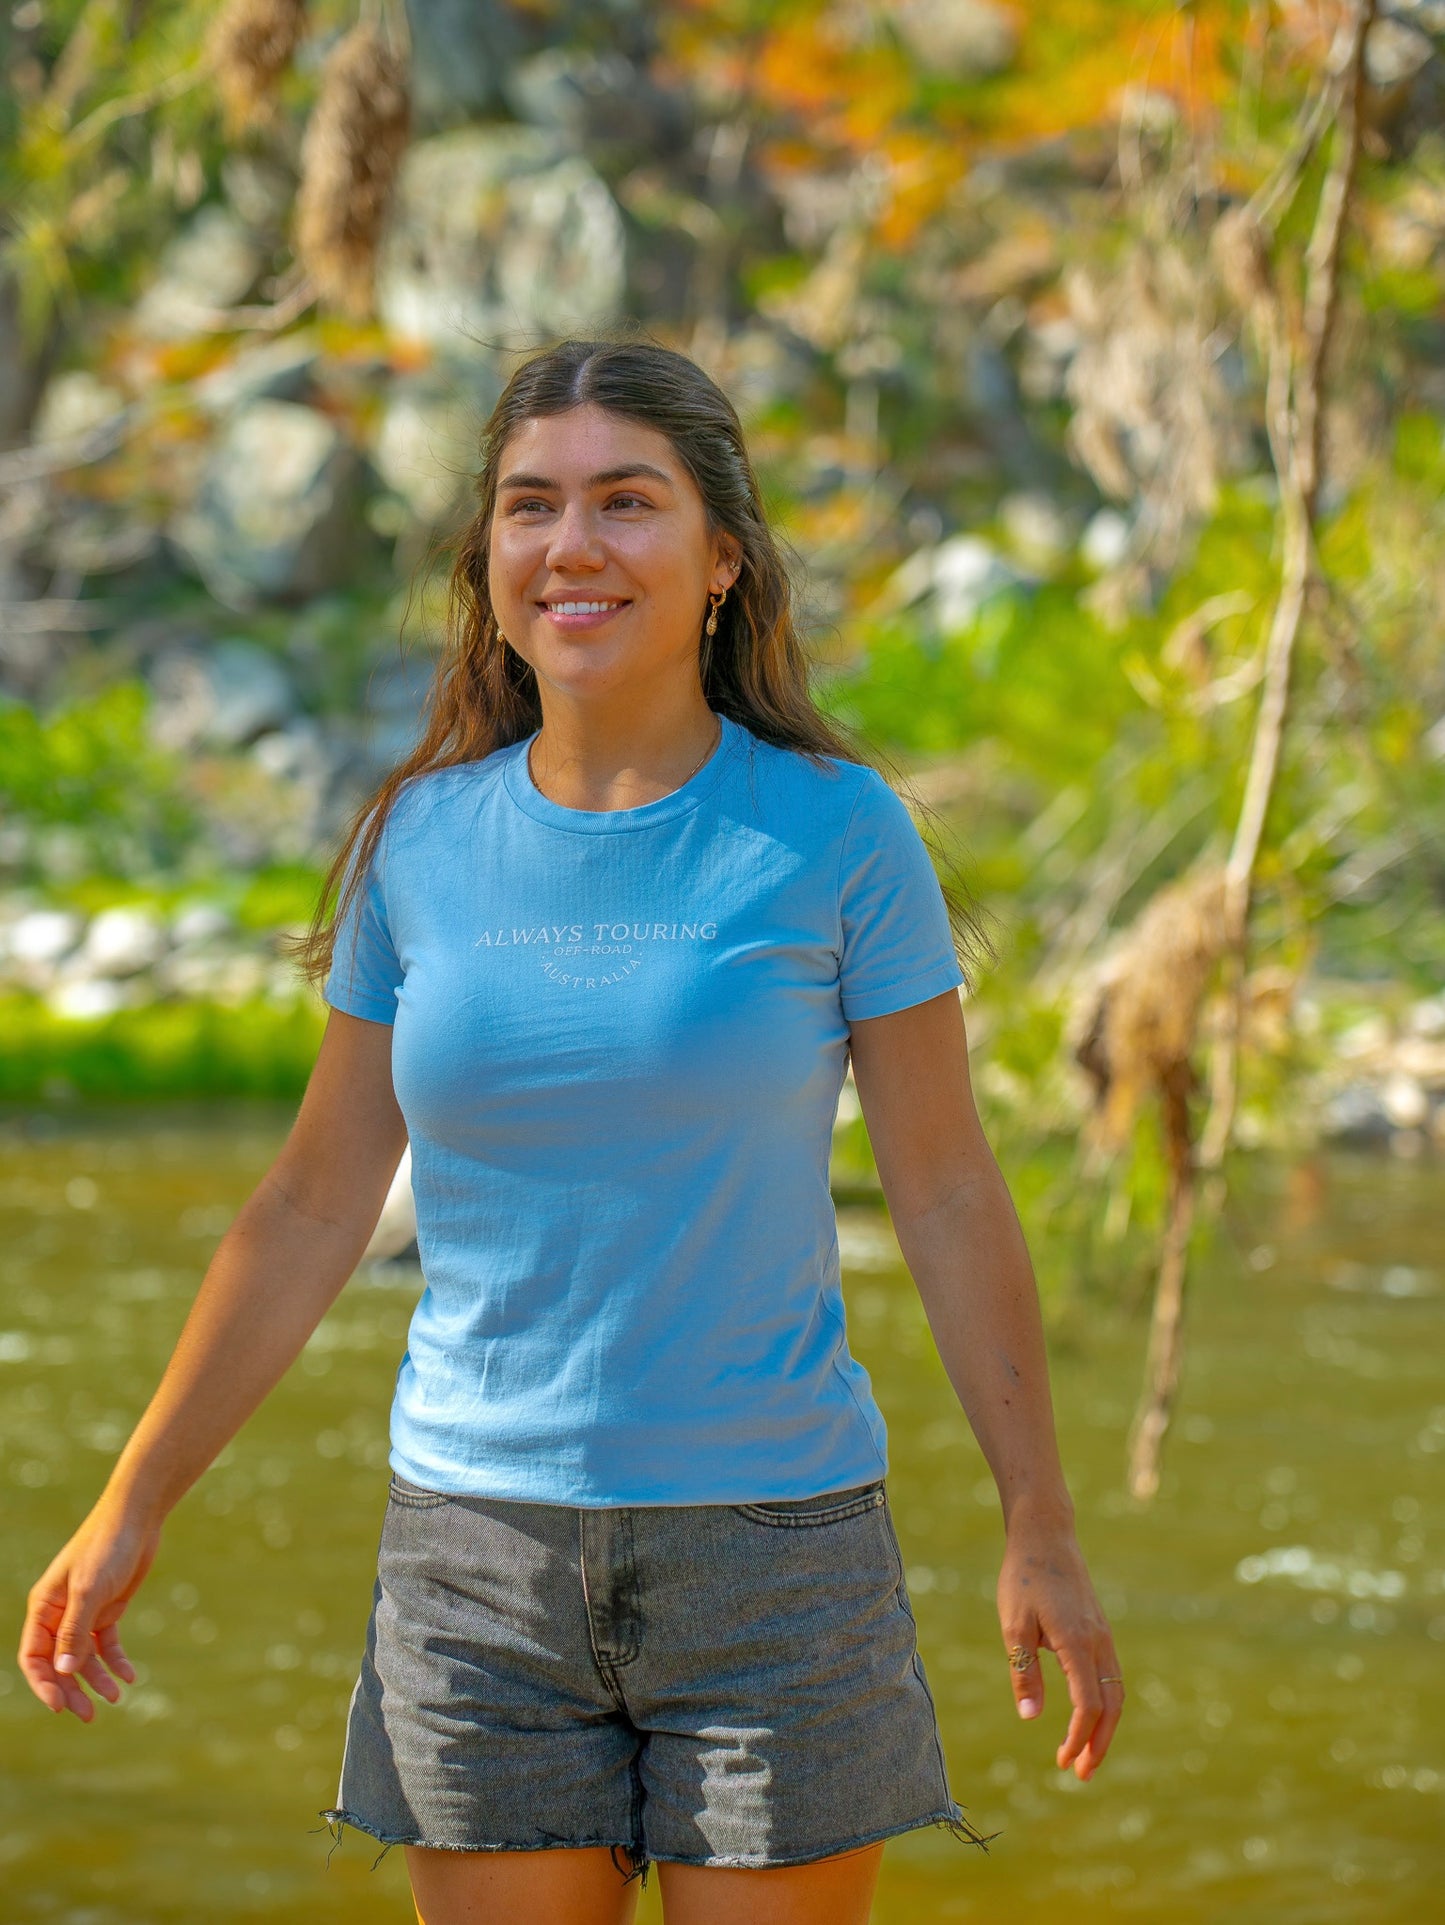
583, 612
583, 604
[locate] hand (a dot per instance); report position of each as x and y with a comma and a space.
75, 1607
1046, 1601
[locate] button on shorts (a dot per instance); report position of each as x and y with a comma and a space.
711, 1684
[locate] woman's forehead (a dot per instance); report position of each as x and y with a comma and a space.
587, 435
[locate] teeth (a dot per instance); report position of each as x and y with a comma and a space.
581, 608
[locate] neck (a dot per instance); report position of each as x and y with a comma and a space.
585, 758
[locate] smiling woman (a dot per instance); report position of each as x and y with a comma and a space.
601, 952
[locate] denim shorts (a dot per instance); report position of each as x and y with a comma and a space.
709, 1684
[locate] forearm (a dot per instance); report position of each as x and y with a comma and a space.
272, 1278
968, 1258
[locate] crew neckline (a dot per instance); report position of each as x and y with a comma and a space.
517, 776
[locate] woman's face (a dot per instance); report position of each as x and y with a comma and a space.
592, 508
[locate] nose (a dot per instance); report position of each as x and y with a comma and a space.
575, 542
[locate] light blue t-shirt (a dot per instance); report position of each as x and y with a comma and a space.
620, 1038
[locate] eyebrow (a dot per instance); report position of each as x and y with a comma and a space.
599, 480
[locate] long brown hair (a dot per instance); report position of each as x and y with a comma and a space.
484, 696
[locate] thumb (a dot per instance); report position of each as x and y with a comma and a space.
74, 1642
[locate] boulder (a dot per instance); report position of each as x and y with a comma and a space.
122, 942
600, 102
73, 403
218, 698
460, 51
394, 708
279, 371
274, 515
495, 236
212, 263
198, 923
426, 448
959, 575
40, 939
1105, 540
1040, 529
964, 39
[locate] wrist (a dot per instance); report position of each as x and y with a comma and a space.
1039, 1510
136, 1496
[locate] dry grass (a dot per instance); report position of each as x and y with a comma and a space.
349, 157
250, 45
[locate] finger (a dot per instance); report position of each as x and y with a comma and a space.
1092, 1756
1027, 1680
74, 1641
99, 1679
37, 1648
1081, 1668
107, 1642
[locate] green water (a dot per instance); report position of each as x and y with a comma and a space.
1279, 1611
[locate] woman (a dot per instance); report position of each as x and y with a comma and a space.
602, 948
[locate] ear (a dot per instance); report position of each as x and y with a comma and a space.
729, 562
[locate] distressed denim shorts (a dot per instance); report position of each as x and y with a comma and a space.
710, 1684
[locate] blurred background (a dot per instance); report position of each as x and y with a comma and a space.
1092, 355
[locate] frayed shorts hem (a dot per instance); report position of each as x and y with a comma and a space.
951, 1820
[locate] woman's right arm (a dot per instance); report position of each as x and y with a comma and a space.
273, 1277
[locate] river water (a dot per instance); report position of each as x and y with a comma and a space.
1279, 1610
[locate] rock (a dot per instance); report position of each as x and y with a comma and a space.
274, 516
73, 403
494, 234
44, 936
1428, 15
1355, 1114
122, 942
395, 698
960, 574
1404, 1102
221, 698
1039, 529
87, 998
213, 263
261, 192
1370, 1036
1395, 52
460, 51
200, 922
965, 39
426, 446
1105, 540
599, 101
279, 371
1044, 358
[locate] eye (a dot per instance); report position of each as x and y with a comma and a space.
638, 501
526, 502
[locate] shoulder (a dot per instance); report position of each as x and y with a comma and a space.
430, 803
820, 791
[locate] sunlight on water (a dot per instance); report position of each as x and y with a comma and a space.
1280, 1611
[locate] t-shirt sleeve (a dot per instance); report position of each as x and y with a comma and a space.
897, 945
365, 972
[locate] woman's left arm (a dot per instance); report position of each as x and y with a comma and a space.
960, 1237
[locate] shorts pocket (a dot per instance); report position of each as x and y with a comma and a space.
403, 1491
794, 1513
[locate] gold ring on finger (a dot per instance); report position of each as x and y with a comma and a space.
1020, 1657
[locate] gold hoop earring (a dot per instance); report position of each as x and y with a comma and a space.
710, 626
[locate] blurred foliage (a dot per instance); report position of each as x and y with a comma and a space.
92, 767
196, 1048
